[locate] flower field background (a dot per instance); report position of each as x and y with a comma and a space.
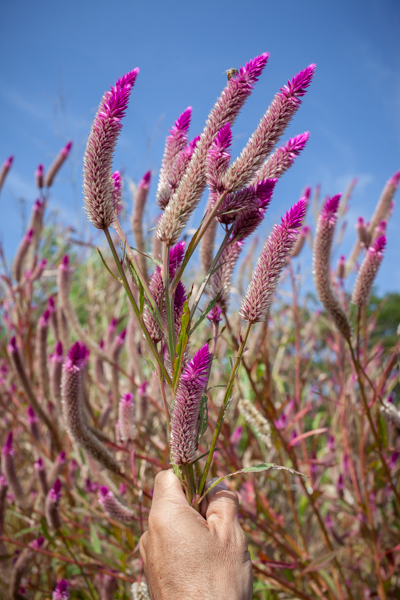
116, 362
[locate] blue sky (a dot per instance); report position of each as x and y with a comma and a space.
59, 58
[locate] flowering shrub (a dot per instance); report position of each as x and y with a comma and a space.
119, 365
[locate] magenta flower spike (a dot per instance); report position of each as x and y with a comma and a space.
39, 176
42, 475
3, 495
367, 273
385, 203
137, 219
126, 418
175, 143
4, 170
298, 247
52, 506
72, 404
273, 258
341, 268
321, 265
57, 164
56, 362
362, 232
218, 159
97, 183
9, 470
21, 254
220, 281
156, 285
271, 127
114, 508
61, 591
185, 419
192, 185
283, 158
21, 566
33, 423
142, 403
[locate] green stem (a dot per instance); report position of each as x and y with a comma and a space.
196, 239
169, 303
223, 407
139, 274
136, 308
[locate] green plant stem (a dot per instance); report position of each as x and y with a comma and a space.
139, 273
223, 408
136, 308
210, 272
196, 239
169, 304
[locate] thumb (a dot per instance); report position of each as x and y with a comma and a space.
223, 505
167, 491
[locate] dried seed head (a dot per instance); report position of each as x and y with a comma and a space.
256, 420
140, 591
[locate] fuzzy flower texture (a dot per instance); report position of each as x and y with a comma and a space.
185, 420
98, 185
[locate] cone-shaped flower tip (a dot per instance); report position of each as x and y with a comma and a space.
253, 69
145, 181
185, 416
55, 491
64, 265
61, 591
97, 184
37, 543
67, 149
330, 209
273, 258
182, 123
44, 319
300, 82
76, 357
13, 346
8, 446
8, 162
395, 179
32, 418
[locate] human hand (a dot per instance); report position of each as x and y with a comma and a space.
190, 556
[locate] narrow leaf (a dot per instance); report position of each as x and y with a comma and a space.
210, 306
107, 267
320, 563
256, 469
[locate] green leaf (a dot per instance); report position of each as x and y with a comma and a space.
320, 563
203, 455
182, 342
107, 267
256, 469
94, 539
154, 260
150, 363
203, 413
46, 533
210, 306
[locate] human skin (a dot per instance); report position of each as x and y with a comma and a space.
188, 555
